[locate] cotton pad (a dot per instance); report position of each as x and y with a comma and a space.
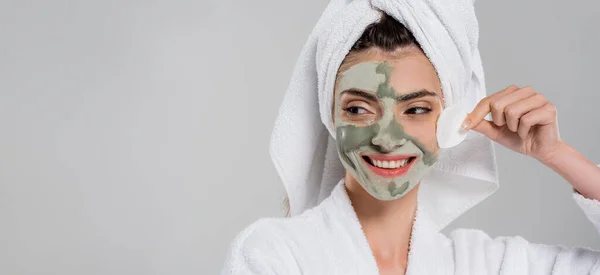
449, 130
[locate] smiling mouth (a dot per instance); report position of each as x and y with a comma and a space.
389, 166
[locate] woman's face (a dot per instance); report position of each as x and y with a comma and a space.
385, 115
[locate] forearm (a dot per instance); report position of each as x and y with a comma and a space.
580, 172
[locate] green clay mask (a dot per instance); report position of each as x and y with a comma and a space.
381, 156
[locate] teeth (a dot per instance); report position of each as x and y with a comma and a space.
390, 164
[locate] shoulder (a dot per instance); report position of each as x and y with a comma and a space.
476, 252
475, 238
273, 232
474, 249
252, 250
255, 235
287, 245
274, 235
475, 241
272, 245
470, 235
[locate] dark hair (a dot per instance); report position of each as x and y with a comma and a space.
387, 34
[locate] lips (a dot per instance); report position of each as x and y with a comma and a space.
389, 166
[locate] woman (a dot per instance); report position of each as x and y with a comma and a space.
399, 189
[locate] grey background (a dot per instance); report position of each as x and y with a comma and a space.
134, 134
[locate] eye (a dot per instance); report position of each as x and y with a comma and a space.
418, 111
355, 110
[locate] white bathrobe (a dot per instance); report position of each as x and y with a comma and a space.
323, 236
328, 239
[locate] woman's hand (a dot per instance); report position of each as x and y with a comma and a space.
522, 120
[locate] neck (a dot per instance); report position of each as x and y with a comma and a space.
386, 224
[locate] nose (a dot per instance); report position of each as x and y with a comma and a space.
386, 143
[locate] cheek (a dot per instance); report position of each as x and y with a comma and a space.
350, 138
424, 132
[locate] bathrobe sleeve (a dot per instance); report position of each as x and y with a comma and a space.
258, 250
476, 253
590, 207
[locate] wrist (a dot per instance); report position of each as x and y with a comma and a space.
560, 153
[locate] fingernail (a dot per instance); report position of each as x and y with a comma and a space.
465, 125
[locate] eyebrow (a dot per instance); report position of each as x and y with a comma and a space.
360, 93
414, 95
400, 98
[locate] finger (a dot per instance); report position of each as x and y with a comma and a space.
540, 116
483, 108
516, 110
498, 105
489, 129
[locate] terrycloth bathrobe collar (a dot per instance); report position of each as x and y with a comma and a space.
429, 249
